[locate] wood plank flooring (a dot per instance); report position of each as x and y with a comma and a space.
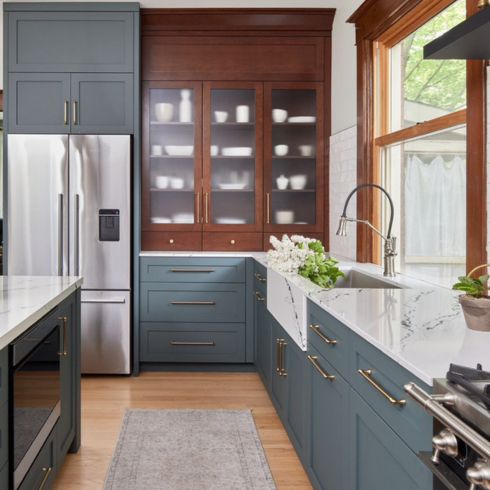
104, 400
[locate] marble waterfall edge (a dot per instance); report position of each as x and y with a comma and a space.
287, 296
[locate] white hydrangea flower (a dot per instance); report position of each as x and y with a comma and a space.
287, 256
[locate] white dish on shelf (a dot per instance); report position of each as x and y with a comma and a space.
298, 182
281, 150
164, 112
233, 187
179, 150
214, 150
160, 220
302, 119
306, 150
161, 181
220, 116
183, 218
284, 217
300, 223
230, 221
237, 151
279, 115
176, 183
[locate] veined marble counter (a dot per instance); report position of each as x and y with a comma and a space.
26, 299
260, 257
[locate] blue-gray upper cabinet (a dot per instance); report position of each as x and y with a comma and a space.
70, 41
102, 103
39, 103
379, 458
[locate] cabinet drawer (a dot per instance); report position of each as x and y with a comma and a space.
4, 434
205, 269
232, 241
260, 279
409, 421
42, 472
194, 302
171, 240
329, 337
190, 342
4, 375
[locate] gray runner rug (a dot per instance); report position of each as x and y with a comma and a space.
189, 450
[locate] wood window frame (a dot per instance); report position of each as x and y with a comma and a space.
388, 22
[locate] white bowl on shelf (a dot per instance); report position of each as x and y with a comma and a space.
279, 115
302, 119
230, 221
281, 150
306, 150
176, 183
164, 112
162, 181
179, 150
237, 151
233, 187
183, 218
214, 150
298, 182
160, 220
220, 116
284, 217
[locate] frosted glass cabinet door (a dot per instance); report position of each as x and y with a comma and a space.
294, 157
172, 157
232, 156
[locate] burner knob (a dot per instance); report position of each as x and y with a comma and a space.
444, 442
479, 475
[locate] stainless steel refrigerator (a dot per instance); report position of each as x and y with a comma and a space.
69, 213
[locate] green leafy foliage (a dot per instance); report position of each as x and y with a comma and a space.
472, 287
319, 268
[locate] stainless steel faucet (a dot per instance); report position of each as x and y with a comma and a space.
389, 241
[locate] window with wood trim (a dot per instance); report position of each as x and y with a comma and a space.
420, 144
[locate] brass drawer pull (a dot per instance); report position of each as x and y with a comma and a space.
278, 356
198, 303
65, 113
282, 370
259, 297
324, 374
316, 329
193, 270
75, 112
260, 277
47, 472
367, 375
268, 211
64, 319
206, 208
193, 344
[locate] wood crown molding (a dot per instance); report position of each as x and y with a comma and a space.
374, 17
315, 22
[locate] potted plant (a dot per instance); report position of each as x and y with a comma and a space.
476, 301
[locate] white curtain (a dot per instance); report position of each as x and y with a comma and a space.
435, 207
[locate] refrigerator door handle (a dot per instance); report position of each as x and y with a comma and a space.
77, 234
60, 234
112, 301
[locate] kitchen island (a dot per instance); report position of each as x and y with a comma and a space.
40, 378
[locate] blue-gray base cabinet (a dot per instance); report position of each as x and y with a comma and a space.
65, 436
347, 434
195, 310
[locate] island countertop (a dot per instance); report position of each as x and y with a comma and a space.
26, 299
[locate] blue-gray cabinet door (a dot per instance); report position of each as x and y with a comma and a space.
379, 458
279, 380
70, 41
327, 425
263, 335
102, 103
39, 103
298, 397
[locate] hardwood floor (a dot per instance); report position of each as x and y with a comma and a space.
104, 400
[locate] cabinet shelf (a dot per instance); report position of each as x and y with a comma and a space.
294, 157
233, 190
156, 189
293, 190
170, 157
172, 123
289, 124
233, 125
221, 157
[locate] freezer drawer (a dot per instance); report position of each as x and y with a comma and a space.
106, 332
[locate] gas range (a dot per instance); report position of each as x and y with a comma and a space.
461, 405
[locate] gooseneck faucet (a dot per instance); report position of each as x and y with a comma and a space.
389, 241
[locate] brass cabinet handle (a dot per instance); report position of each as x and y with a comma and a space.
193, 344
278, 355
260, 277
283, 344
327, 340
65, 112
268, 208
198, 211
64, 319
47, 472
259, 297
199, 303
193, 270
75, 112
367, 375
324, 374
206, 207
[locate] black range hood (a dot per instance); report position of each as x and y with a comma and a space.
469, 40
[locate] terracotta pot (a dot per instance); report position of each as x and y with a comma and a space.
476, 312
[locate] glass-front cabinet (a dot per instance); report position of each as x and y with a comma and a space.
225, 161
294, 174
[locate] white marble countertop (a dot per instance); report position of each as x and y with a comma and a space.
260, 257
26, 299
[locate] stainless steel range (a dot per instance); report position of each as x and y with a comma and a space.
461, 406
